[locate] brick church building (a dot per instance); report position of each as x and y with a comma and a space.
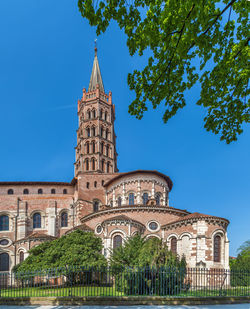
113, 205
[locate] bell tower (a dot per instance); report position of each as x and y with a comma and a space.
96, 139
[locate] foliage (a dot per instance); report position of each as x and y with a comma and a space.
145, 266
240, 266
188, 41
77, 248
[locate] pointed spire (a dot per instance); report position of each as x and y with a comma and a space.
96, 77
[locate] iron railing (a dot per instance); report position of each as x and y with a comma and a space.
131, 281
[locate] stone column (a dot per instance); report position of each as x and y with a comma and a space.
106, 197
22, 220
113, 198
123, 194
52, 218
138, 191
153, 189
226, 255
164, 196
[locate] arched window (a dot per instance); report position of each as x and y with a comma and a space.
87, 147
103, 163
93, 113
131, 199
93, 147
217, 248
37, 220
158, 198
173, 245
145, 198
64, 219
87, 164
96, 206
119, 201
93, 164
102, 146
105, 116
111, 203
40, 191
93, 131
95, 184
4, 262
107, 134
10, 191
108, 166
107, 150
25, 191
88, 132
21, 256
117, 241
53, 191
89, 114
101, 113
4, 223
65, 191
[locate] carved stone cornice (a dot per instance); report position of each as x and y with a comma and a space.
135, 179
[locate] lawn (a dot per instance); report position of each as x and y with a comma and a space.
104, 291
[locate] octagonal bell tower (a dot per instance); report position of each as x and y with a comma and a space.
96, 139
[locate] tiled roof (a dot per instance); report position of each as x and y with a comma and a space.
30, 183
36, 235
168, 180
82, 227
195, 215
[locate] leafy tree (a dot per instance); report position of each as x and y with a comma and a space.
187, 41
128, 254
240, 266
77, 248
146, 267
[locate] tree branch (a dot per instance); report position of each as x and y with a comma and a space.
246, 43
170, 61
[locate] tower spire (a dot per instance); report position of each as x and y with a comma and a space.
96, 77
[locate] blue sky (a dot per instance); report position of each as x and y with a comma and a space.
46, 56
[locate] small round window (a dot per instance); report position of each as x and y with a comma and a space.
98, 229
153, 226
4, 242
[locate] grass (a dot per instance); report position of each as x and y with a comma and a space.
104, 291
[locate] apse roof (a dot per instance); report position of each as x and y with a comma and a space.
168, 180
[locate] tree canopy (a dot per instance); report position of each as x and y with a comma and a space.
186, 42
242, 262
141, 252
77, 248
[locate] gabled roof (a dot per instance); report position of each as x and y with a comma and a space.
96, 77
168, 180
82, 227
36, 235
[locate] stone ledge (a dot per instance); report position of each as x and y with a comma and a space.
122, 301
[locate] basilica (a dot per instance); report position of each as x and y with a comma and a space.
111, 204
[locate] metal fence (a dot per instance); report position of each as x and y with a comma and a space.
118, 282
